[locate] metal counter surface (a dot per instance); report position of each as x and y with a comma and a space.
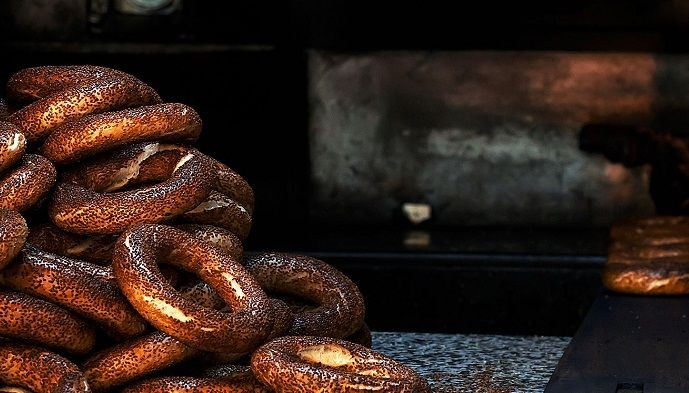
476, 363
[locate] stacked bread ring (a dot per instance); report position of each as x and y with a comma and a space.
649, 256
130, 262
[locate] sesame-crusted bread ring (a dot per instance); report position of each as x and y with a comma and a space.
81, 92
220, 237
339, 310
33, 83
142, 356
13, 233
95, 248
39, 370
197, 385
75, 285
98, 248
12, 144
297, 364
134, 359
96, 133
135, 264
219, 210
154, 161
28, 318
80, 210
24, 184
229, 206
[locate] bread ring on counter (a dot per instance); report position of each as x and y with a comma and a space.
75, 285
13, 233
93, 134
295, 364
12, 145
339, 310
80, 210
142, 247
655, 277
23, 185
27, 318
96, 248
39, 371
134, 359
109, 92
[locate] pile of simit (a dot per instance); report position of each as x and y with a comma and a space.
97, 295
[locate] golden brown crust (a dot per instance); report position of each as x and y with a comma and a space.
39, 370
12, 145
109, 92
219, 210
196, 385
339, 310
96, 249
13, 233
31, 84
219, 237
229, 206
295, 364
143, 356
142, 247
22, 186
134, 359
79, 210
170, 122
75, 285
27, 318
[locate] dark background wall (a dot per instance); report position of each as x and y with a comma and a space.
245, 68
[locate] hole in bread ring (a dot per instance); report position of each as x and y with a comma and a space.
229, 206
339, 306
80, 210
135, 263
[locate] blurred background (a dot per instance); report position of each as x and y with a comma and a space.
431, 152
